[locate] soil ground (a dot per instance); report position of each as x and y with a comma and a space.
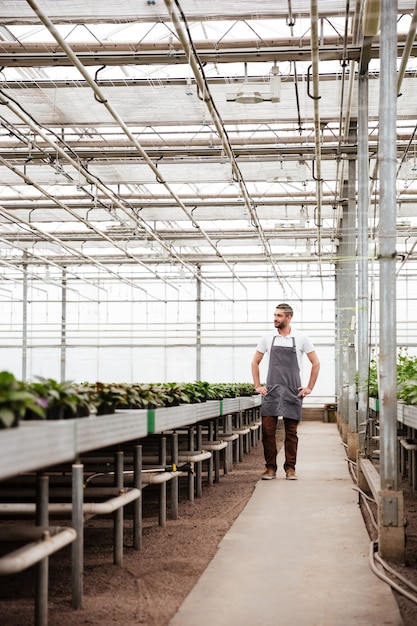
153, 582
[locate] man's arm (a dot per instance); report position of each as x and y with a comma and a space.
315, 368
256, 375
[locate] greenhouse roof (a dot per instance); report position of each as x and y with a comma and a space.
180, 135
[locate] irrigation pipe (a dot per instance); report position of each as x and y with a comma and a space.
29, 555
386, 579
65, 508
172, 469
394, 572
373, 551
366, 500
374, 556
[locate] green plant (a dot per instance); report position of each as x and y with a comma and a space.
198, 391
228, 390
149, 396
407, 391
373, 379
15, 400
406, 377
174, 394
406, 366
245, 389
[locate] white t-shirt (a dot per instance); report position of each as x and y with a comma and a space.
303, 344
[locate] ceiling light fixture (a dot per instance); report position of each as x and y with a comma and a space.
255, 93
247, 96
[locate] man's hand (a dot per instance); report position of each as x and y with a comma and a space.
262, 390
304, 391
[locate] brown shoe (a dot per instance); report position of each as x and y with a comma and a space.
269, 474
290, 474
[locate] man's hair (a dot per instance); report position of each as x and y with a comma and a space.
285, 307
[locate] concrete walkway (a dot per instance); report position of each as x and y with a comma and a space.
298, 553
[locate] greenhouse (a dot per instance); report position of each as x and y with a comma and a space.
171, 171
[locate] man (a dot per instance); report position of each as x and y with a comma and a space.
283, 393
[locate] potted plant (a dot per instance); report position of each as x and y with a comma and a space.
174, 394
245, 389
15, 400
107, 396
150, 396
60, 398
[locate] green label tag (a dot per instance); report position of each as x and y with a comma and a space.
151, 421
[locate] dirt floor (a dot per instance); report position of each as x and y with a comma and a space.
152, 583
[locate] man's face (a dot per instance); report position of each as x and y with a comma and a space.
281, 319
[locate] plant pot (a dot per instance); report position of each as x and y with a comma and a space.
32, 416
105, 409
14, 424
55, 412
82, 411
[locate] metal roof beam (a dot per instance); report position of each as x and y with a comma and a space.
47, 55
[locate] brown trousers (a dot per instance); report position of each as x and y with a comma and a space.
269, 427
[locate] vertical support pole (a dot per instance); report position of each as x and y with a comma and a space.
341, 307
174, 481
137, 504
338, 340
346, 296
63, 324
246, 424
198, 466
391, 514
25, 301
163, 486
42, 568
191, 481
227, 429
236, 426
210, 462
78, 545
352, 438
198, 326
118, 514
363, 209
387, 239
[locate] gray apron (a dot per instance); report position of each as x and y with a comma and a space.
283, 382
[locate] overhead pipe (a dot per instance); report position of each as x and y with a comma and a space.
408, 48
351, 84
111, 53
264, 200
100, 97
317, 126
236, 258
344, 122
